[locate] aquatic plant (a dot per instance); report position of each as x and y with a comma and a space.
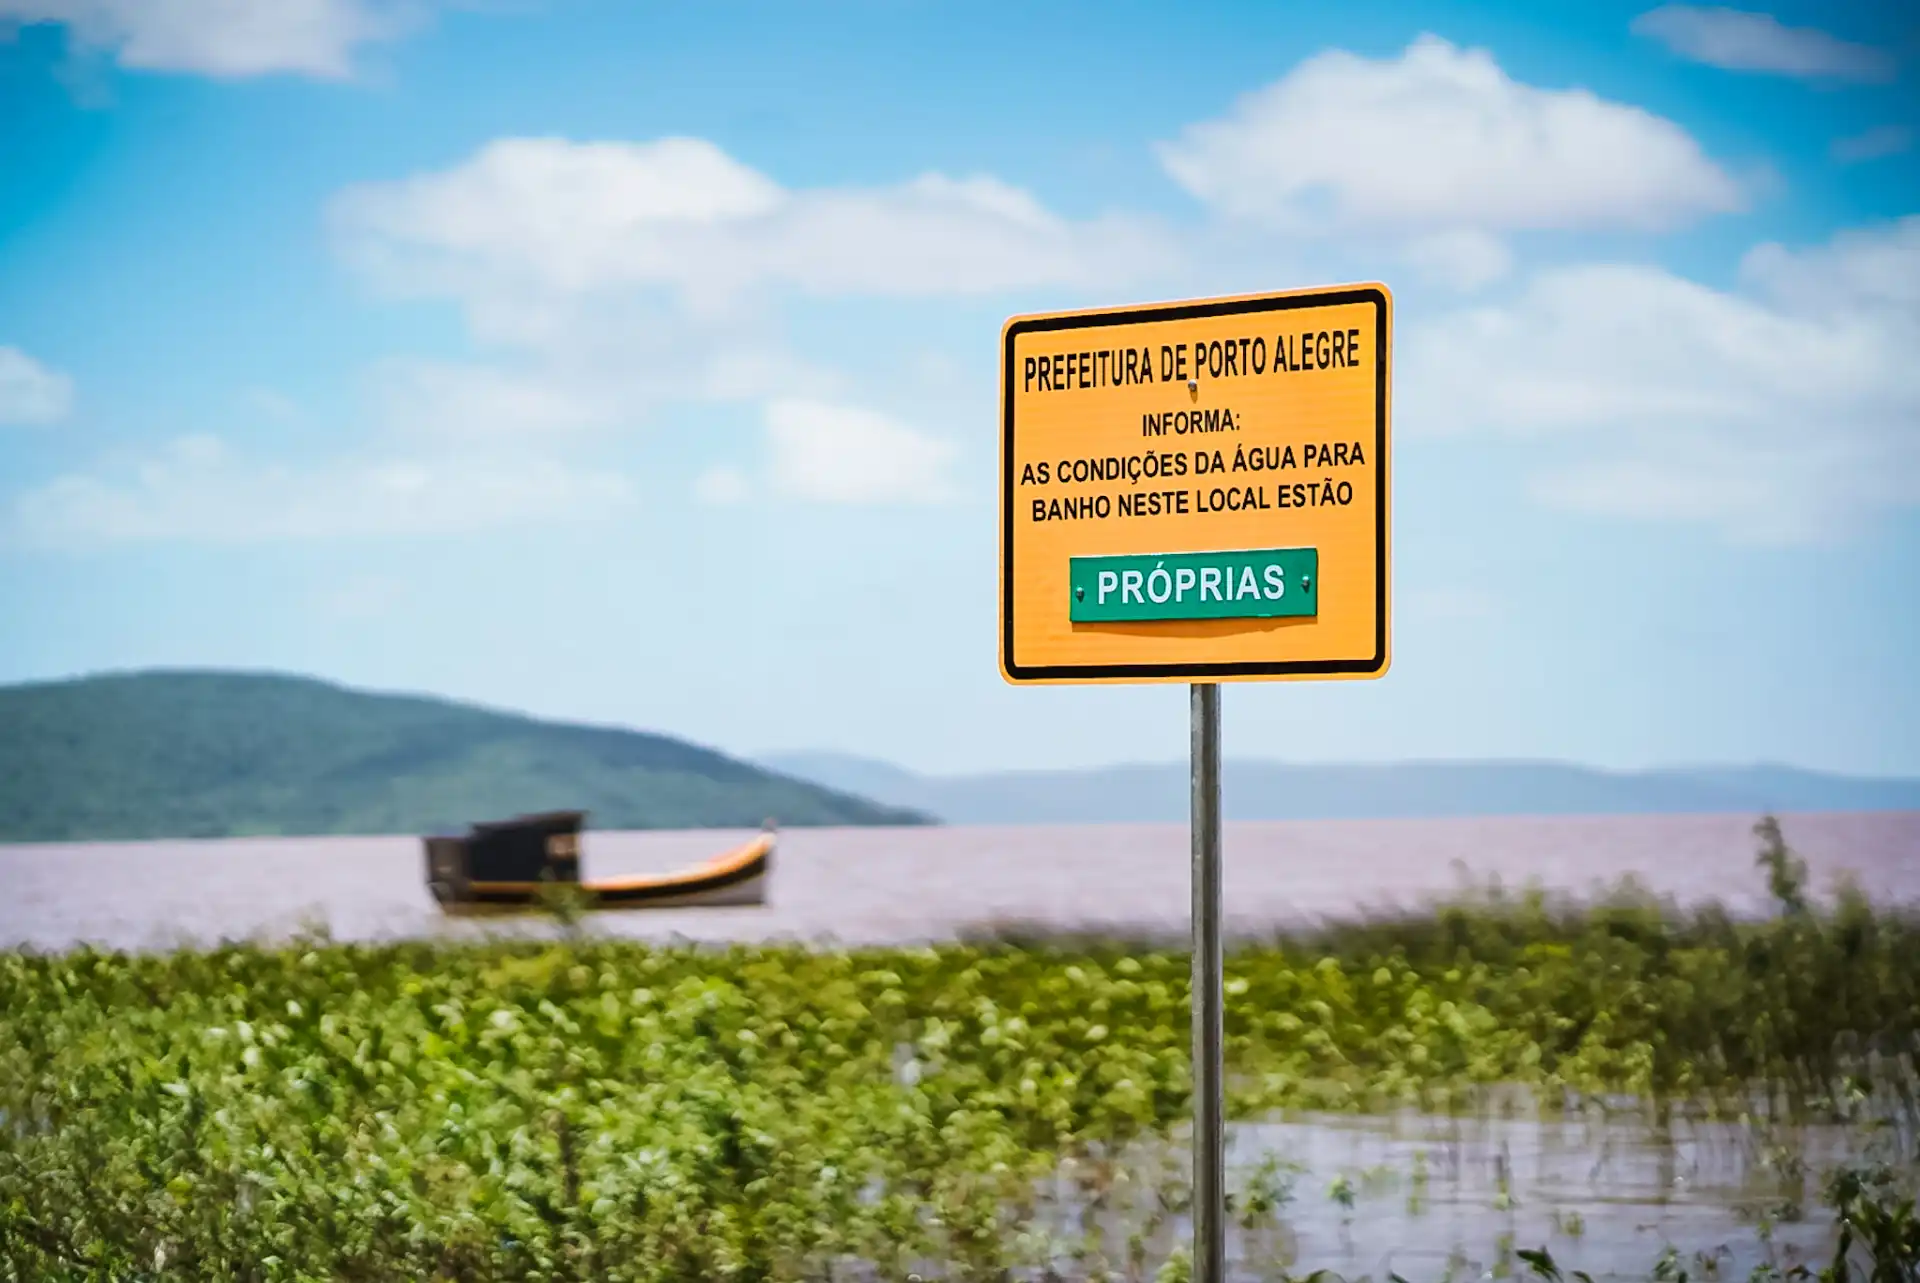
1878, 1230
1269, 1187
1786, 872
587, 1108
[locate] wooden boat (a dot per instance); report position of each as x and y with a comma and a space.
514, 865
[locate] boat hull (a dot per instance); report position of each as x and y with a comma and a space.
736, 878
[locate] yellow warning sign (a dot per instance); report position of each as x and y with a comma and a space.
1197, 491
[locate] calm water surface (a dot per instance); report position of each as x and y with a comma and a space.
909, 885
1431, 1197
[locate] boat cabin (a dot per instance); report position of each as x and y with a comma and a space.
524, 850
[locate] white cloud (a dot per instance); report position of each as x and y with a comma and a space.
722, 486
30, 393
1872, 270
1442, 141
197, 490
229, 39
1788, 410
844, 454
625, 275
1738, 41
547, 215
538, 218
588, 367
1873, 144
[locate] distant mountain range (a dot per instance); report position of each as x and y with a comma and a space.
214, 754
1252, 790
209, 754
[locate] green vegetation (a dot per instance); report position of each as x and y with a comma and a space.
590, 1109
156, 755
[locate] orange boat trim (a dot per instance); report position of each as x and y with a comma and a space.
719, 866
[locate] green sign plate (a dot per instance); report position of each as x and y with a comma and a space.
1264, 583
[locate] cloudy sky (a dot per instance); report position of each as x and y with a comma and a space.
635, 362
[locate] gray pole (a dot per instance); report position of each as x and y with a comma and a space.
1209, 1111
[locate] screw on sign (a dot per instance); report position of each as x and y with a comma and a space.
1199, 492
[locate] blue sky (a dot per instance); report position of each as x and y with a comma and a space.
634, 363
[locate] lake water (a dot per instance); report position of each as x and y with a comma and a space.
1431, 1197
909, 885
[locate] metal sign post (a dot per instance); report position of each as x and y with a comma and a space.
1209, 1072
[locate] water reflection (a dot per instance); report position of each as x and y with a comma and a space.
1609, 1191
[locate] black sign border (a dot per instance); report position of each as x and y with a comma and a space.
1188, 312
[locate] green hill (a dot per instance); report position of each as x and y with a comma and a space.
206, 754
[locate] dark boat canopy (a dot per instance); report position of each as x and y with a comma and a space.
543, 847
569, 821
